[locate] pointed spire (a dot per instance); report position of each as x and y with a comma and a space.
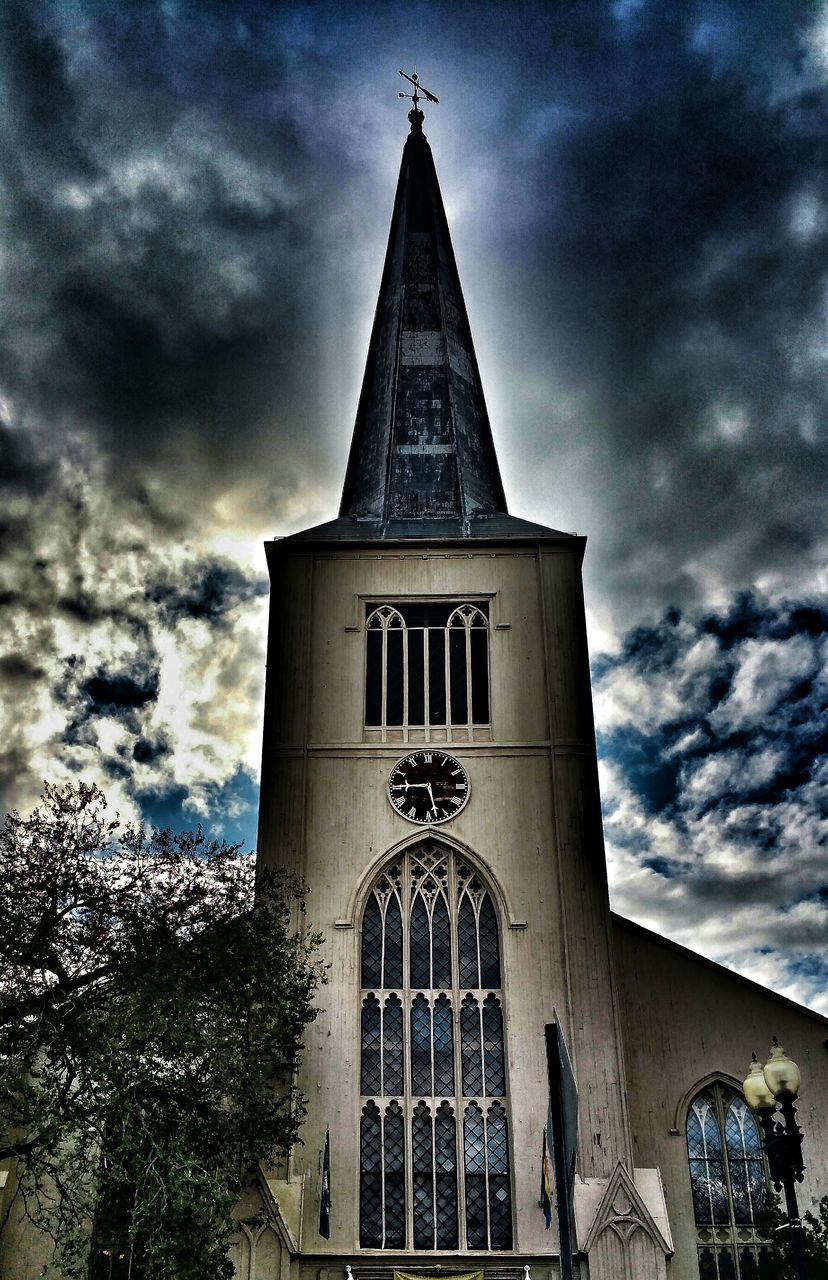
422, 445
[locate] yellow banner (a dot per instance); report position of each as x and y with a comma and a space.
412, 1275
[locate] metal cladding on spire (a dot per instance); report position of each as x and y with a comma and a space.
422, 447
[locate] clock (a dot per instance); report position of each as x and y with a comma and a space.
428, 787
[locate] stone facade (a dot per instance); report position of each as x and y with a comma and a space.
531, 828
647, 1022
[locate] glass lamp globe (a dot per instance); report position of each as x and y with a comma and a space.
755, 1088
782, 1075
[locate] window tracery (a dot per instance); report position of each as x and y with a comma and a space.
729, 1187
427, 670
434, 1127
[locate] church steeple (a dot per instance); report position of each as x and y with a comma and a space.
422, 446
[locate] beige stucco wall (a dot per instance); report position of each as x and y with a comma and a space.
532, 825
685, 1018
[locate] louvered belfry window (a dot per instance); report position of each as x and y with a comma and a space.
434, 1142
727, 1178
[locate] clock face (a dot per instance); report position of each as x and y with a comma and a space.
428, 787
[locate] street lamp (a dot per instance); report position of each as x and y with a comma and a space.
765, 1087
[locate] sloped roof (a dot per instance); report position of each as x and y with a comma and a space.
422, 446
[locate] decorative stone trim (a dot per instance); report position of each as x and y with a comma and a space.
621, 1216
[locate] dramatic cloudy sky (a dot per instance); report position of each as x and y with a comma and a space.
195, 198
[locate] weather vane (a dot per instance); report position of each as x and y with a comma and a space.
418, 89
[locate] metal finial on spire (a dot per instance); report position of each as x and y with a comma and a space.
415, 115
415, 98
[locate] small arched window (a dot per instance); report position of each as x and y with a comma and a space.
434, 1142
729, 1186
427, 668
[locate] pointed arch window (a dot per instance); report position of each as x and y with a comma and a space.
427, 669
434, 1128
729, 1185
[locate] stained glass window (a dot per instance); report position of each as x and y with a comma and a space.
394, 1159
392, 1046
727, 1178
426, 665
707, 1175
434, 1133
422, 1163
370, 1181
744, 1158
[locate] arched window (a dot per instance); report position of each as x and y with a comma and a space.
427, 669
727, 1177
434, 1130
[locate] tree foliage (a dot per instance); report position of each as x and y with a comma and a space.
815, 1230
151, 1021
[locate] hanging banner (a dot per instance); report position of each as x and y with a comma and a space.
325, 1196
545, 1202
466, 1275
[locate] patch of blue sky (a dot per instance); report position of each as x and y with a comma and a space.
661, 866
166, 808
653, 777
234, 809
811, 967
809, 974
231, 809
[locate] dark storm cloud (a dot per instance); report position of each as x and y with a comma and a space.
21, 470
17, 670
115, 644
675, 256
111, 692
714, 752
210, 591
192, 190
195, 201
160, 274
763, 695
146, 751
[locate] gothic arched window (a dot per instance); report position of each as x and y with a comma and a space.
434, 1131
727, 1177
427, 668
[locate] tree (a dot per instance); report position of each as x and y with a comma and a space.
151, 1022
815, 1230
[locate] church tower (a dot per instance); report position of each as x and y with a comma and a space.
429, 769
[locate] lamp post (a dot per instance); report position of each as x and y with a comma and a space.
765, 1087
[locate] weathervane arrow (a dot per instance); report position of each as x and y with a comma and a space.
418, 89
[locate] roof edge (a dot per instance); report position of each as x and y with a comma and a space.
497, 526
670, 945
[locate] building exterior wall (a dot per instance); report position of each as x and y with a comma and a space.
686, 1019
644, 1020
24, 1252
532, 827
